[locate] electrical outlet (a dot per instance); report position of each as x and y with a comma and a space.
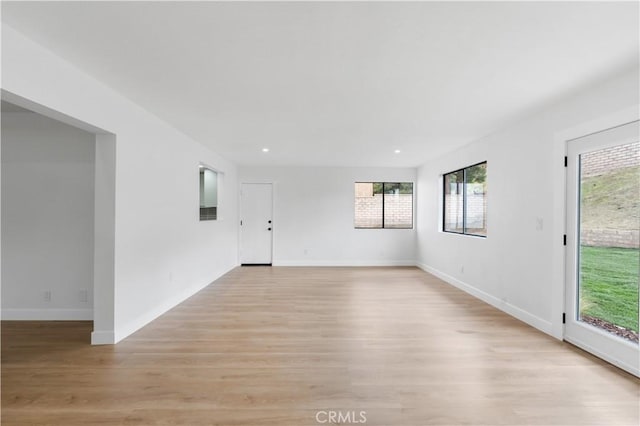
47, 295
83, 295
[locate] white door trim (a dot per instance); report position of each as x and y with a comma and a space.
561, 138
619, 352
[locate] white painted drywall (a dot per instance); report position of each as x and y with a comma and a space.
104, 240
163, 252
515, 267
47, 218
314, 217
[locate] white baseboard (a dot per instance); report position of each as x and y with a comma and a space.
47, 314
111, 337
342, 263
524, 316
103, 338
144, 319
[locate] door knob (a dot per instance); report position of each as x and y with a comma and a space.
268, 229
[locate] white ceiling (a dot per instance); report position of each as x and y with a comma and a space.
342, 84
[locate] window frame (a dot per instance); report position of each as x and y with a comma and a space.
464, 200
383, 194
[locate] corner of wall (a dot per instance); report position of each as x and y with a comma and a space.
103, 337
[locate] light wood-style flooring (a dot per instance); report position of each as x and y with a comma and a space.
275, 346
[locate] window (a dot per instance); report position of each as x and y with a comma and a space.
465, 201
384, 205
208, 194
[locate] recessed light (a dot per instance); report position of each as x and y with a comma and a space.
397, 151
265, 149
201, 166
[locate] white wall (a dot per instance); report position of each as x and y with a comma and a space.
314, 217
518, 267
47, 218
163, 253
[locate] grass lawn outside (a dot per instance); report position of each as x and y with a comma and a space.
609, 284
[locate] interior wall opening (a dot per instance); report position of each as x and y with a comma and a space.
57, 232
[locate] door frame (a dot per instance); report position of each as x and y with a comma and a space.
273, 215
619, 352
559, 229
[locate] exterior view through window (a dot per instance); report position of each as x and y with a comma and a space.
384, 205
465, 201
609, 226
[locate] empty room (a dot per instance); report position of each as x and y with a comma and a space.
310, 213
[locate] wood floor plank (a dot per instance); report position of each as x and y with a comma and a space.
277, 346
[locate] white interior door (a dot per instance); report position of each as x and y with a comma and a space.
603, 261
256, 227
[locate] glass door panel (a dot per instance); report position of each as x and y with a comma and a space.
609, 258
603, 245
